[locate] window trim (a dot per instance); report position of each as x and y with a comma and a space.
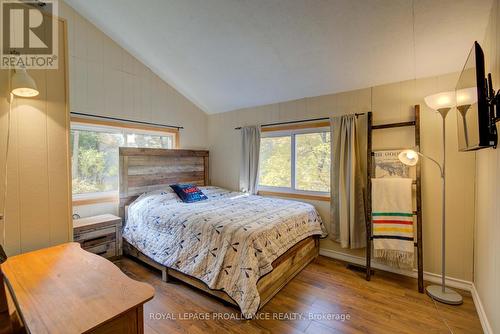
128, 126
95, 198
315, 197
113, 196
323, 124
292, 131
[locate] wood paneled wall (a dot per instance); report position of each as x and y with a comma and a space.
389, 103
107, 80
38, 206
487, 232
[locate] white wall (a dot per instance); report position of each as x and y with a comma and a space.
487, 232
38, 206
389, 103
106, 80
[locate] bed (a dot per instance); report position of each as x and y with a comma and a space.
240, 248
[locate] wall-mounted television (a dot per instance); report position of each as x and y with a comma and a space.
476, 130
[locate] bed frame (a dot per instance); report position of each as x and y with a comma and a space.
148, 169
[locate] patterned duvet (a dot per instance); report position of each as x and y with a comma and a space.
228, 241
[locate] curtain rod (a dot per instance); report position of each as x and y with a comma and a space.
128, 120
300, 121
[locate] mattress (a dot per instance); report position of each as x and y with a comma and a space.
228, 241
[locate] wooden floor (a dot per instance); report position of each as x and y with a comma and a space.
388, 304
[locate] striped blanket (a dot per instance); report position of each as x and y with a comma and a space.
392, 220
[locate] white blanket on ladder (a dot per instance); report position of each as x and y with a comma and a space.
392, 218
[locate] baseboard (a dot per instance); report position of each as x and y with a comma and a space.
480, 311
430, 277
450, 281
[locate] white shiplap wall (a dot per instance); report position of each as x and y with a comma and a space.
389, 103
487, 232
106, 80
38, 188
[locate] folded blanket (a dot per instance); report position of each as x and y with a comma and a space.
392, 218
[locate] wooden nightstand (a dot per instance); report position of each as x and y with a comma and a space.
101, 235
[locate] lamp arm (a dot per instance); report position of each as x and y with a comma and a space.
431, 159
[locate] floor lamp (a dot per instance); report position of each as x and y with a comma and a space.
442, 103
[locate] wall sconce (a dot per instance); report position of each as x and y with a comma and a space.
22, 84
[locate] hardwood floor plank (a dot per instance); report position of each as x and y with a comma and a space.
317, 328
149, 330
325, 288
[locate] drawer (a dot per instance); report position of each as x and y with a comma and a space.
104, 250
87, 243
93, 234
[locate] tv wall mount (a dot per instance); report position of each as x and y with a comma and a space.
494, 108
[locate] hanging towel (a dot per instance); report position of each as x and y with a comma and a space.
392, 218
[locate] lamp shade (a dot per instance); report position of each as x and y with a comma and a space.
441, 100
466, 96
22, 84
408, 157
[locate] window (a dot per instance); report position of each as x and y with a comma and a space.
275, 162
295, 161
94, 155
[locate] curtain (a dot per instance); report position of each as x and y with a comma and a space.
249, 167
347, 207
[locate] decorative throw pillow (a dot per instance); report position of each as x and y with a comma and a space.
189, 193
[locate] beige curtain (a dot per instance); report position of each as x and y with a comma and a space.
347, 210
249, 166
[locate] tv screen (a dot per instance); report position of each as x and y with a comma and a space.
473, 112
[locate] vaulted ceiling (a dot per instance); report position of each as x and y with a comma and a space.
230, 54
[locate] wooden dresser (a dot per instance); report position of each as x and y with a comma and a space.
64, 289
101, 235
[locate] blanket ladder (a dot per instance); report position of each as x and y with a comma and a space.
418, 190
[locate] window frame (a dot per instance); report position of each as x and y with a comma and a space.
88, 124
292, 191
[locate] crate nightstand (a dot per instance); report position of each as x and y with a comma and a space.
101, 235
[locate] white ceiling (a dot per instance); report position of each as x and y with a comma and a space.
229, 54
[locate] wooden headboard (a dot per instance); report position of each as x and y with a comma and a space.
148, 169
